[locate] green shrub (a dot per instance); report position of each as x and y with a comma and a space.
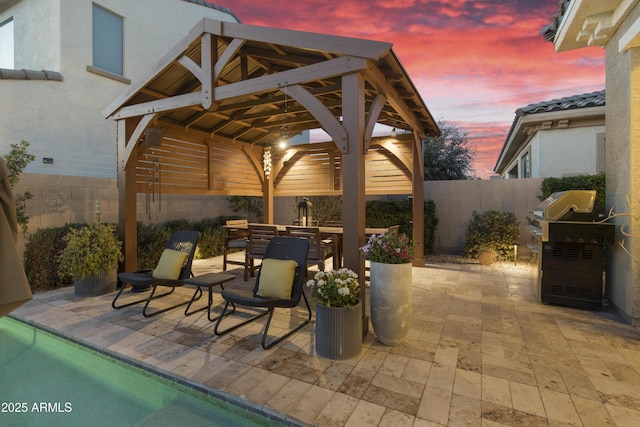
385, 213
152, 239
40, 263
325, 208
43, 247
89, 250
211, 239
493, 230
581, 182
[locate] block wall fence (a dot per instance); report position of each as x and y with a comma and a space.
58, 200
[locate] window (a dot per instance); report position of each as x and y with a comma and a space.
6, 44
107, 41
526, 165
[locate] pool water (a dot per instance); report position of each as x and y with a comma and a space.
46, 380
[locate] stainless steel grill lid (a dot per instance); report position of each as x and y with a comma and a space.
563, 203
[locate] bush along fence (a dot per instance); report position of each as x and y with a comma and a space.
44, 246
386, 213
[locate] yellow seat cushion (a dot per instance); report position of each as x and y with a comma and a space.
276, 278
170, 264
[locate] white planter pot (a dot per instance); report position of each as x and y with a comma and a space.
103, 283
390, 301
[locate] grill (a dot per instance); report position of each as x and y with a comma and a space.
570, 244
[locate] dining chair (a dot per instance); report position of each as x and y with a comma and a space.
259, 237
234, 239
330, 223
319, 249
314, 222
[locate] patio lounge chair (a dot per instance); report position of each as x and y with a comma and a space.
279, 284
172, 269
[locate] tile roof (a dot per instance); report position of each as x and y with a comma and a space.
549, 32
7, 74
585, 100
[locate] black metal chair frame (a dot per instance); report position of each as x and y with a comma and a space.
279, 248
184, 240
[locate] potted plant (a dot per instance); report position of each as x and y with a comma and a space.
91, 257
338, 313
390, 255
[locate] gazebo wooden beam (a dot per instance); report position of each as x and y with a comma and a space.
378, 79
300, 39
372, 118
353, 172
328, 121
418, 201
321, 70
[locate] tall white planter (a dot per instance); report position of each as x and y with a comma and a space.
390, 301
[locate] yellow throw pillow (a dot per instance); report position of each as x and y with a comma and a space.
170, 264
276, 278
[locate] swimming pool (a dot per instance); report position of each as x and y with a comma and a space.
46, 380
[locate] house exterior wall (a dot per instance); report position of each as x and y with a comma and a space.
567, 152
622, 166
36, 34
561, 152
64, 120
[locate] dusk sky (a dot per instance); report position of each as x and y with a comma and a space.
474, 62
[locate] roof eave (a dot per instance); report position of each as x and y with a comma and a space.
590, 23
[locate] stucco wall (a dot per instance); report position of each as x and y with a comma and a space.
561, 152
457, 200
41, 20
58, 200
565, 152
622, 159
64, 120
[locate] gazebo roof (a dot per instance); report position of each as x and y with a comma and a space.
205, 119
252, 84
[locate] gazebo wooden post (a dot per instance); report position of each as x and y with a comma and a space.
127, 196
418, 201
353, 186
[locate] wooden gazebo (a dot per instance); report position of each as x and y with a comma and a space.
207, 117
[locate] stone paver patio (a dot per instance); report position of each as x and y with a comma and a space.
481, 351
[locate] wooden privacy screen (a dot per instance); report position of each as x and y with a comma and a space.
176, 166
183, 166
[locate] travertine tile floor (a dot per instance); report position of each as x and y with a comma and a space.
481, 351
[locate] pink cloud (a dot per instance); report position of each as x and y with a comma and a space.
474, 62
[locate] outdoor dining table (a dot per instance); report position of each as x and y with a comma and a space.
332, 233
